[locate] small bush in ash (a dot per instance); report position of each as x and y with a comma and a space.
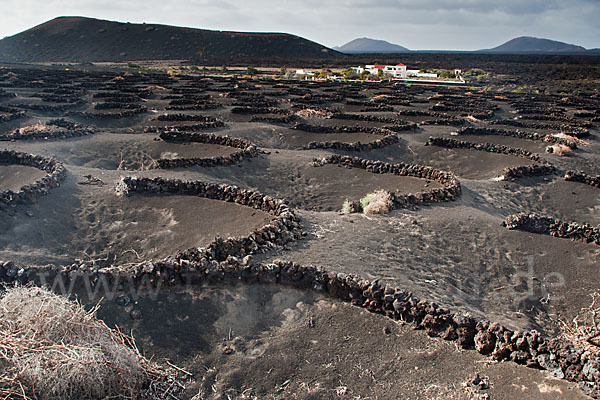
349, 207
378, 202
53, 348
559, 150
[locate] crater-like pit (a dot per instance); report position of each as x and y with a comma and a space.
469, 164
529, 145
140, 152
295, 139
151, 226
14, 177
327, 187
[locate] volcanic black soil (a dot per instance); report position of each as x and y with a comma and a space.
133, 152
13, 177
87, 39
272, 342
280, 343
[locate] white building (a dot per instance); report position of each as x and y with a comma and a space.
399, 71
396, 71
302, 72
419, 74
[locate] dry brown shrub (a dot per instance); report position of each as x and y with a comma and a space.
571, 138
378, 202
559, 150
141, 162
32, 129
584, 330
314, 113
53, 348
380, 97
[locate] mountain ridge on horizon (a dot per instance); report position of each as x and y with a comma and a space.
83, 39
518, 45
367, 45
531, 44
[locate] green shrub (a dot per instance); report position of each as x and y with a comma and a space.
348, 207
364, 202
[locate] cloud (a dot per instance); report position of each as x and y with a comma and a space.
423, 24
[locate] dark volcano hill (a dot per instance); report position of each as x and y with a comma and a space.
366, 45
526, 44
81, 39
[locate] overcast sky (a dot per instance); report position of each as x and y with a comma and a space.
416, 24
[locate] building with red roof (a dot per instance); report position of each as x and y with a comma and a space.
396, 71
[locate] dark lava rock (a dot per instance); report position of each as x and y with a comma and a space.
123, 301
135, 314
485, 342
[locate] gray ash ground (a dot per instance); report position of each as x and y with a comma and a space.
268, 342
457, 254
14, 177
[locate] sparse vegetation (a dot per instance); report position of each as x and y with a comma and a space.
559, 150
39, 127
53, 348
349, 73
314, 113
577, 140
299, 134
144, 162
324, 74
584, 329
378, 202
348, 207
474, 72
251, 71
156, 87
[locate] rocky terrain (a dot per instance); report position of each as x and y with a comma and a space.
206, 212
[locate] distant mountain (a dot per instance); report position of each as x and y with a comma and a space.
86, 39
527, 44
366, 45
